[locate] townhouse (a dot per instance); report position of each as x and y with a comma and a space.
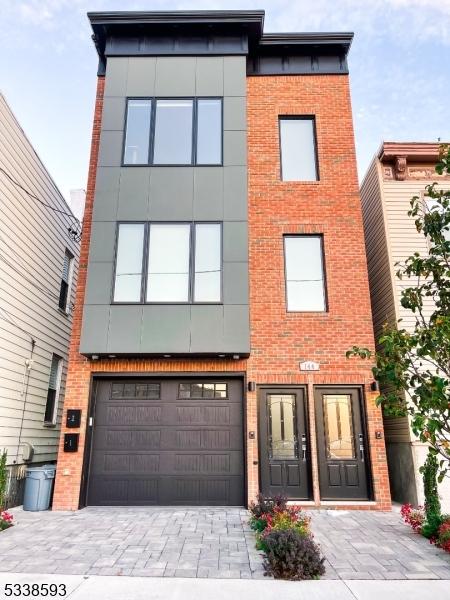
222, 274
398, 172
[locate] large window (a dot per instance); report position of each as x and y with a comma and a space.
173, 131
298, 149
51, 406
128, 278
66, 282
305, 285
137, 136
168, 262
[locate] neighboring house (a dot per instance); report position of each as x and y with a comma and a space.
398, 172
223, 273
38, 274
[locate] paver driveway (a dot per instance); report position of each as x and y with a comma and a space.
180, 542
376, 545
208, 542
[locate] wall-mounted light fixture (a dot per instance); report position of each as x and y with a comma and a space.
374, 386
251, 386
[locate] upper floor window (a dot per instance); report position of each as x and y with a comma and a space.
66, 282
298, 149
182, 263
137, 135
305, 284
173, 131
54, 384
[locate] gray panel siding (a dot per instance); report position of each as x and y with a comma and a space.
170, 194
33, 240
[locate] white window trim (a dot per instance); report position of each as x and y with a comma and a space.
57, 391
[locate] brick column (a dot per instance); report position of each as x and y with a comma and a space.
70, 465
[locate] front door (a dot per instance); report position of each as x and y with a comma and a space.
341, 444
284, 450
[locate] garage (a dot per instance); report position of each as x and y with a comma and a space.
166, 442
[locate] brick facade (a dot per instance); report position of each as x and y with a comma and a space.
279, 340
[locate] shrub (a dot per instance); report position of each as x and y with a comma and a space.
433, 516
5, 520
262, 509
290, 555
291, 517
413, 516
443, 536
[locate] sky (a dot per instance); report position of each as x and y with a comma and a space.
399, 68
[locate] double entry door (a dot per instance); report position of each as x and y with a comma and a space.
285, 448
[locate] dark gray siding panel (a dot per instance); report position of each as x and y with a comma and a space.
170, 194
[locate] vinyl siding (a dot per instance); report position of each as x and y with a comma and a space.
381, 269
33, 239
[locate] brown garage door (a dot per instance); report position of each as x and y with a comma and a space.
167, 442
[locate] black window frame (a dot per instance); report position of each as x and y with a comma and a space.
151, 146
324, 275
53, 394
65, 287
316, 147
144, 272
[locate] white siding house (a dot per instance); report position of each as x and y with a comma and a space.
399, 172
38, 267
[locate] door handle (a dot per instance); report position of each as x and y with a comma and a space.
304, 447
361, 447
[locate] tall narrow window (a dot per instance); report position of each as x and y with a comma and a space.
128, 279
66, 280
298, 149
173, 132
137, 135
208, 262
305, 288
209, 131
51, 406
168, 263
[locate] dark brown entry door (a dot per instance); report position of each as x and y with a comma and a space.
167, 442
284, 449
341, 445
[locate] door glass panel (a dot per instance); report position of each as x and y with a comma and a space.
339, 439
282, 427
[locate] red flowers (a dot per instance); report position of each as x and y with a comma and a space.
413, 516
6, 520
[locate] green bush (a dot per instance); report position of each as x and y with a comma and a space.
290, 555
433, 515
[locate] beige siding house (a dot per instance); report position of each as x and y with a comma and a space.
399, 172
38, 273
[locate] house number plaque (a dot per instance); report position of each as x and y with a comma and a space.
309, 365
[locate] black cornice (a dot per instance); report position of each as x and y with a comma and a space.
228, 32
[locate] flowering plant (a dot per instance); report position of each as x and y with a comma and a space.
6, 519
443, 538
283, 519
413, 516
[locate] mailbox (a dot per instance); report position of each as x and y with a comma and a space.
71, 442
73, 417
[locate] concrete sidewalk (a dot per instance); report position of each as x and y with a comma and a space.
81, 587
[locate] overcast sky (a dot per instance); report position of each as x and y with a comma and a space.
399, 68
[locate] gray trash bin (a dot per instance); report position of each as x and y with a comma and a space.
38, 487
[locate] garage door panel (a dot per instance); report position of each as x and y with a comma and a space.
152, 447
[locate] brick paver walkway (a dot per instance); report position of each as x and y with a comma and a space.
208, 542
143, 541
375, 545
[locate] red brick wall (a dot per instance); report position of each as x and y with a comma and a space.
331, 206
279, 340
